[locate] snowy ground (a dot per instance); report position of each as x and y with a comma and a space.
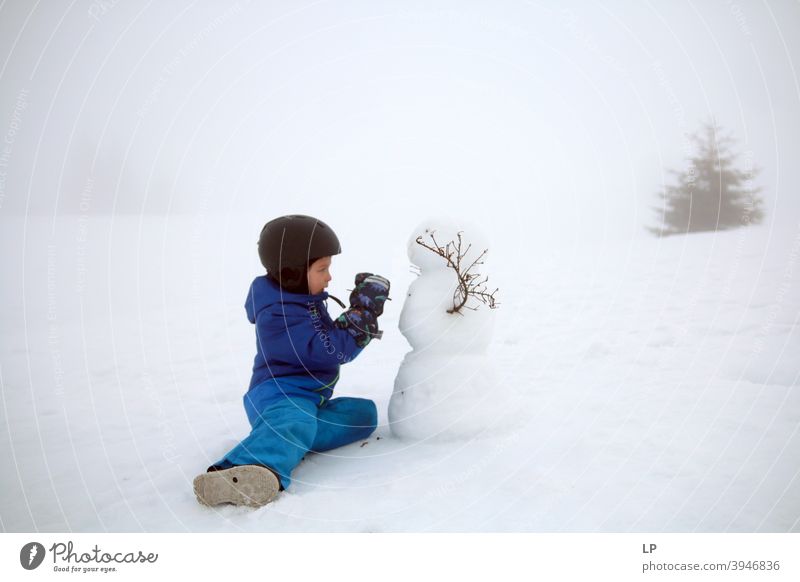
655, 387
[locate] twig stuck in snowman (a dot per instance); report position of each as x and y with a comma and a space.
469, 283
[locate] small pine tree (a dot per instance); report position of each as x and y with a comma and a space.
712, 194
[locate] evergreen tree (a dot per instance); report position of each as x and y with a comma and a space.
712, 194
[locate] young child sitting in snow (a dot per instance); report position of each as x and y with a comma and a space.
299, 352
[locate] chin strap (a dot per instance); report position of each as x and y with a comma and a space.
337, 301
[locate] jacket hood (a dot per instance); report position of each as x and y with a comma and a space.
265, 292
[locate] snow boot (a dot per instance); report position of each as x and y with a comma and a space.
251, 485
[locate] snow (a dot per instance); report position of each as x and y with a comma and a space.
652, 386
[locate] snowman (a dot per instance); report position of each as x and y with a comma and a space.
446, 386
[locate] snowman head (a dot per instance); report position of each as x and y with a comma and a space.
439, 231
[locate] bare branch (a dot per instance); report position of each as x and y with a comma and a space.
469, 283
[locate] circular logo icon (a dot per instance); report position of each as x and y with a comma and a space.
31, 555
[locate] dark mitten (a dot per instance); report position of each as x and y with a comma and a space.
370, 292
361, 323
366, 304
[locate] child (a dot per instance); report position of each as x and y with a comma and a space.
299, 351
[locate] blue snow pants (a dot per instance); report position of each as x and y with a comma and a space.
285, 429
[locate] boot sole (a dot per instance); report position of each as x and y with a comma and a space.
249, 485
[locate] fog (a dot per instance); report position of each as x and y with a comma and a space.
536, 118
144, 145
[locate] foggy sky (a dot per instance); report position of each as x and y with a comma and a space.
539, 116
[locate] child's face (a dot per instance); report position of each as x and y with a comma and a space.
318, 275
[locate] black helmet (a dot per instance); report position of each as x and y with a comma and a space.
288, 245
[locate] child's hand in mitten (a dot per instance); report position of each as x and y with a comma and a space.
361, 323
371, 291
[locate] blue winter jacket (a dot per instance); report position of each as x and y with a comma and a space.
299, 349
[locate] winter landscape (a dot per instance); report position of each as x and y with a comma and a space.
625, 382
648, 385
